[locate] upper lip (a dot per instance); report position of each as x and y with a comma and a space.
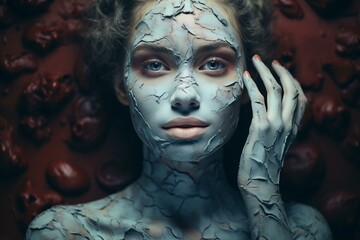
185, 122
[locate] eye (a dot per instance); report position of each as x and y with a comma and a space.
212, 65
155, 66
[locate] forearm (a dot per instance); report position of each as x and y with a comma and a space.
258, 182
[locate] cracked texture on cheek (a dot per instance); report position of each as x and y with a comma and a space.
228, 94
179, 29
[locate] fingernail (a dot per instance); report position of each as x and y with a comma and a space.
247, 74
257, 57
276, 62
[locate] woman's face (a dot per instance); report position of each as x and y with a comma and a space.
183, 78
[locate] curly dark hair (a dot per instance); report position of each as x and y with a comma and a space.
109, 23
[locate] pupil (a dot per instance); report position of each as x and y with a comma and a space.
213, 65
156, 66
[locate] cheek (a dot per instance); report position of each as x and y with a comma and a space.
142, 89
226, 104
150, 96
148, 100
228, 94
219, 97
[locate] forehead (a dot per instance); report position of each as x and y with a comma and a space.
168, 20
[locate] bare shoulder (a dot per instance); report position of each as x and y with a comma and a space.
306, 222
60, 222
99, 219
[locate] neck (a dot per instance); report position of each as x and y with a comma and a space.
184, 188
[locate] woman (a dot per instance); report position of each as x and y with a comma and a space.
183, 75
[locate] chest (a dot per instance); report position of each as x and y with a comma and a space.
124, 219
209, 228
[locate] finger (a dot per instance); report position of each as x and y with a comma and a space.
291, 93
274, 92
300, 109
256, 98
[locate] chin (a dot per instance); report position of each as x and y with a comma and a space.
187, 151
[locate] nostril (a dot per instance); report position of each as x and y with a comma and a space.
177, 104
194, 104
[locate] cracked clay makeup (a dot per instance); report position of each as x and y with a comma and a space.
183, 79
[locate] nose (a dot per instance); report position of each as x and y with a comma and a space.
185, 99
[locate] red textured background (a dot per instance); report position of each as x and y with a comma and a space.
321, 48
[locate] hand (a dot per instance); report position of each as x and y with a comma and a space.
273, 128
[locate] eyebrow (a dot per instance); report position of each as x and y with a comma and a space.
154, 48
214, 46
166, 50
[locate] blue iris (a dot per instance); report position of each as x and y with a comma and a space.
214, 65
154, 66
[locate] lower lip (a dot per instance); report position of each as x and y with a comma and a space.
185, 133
